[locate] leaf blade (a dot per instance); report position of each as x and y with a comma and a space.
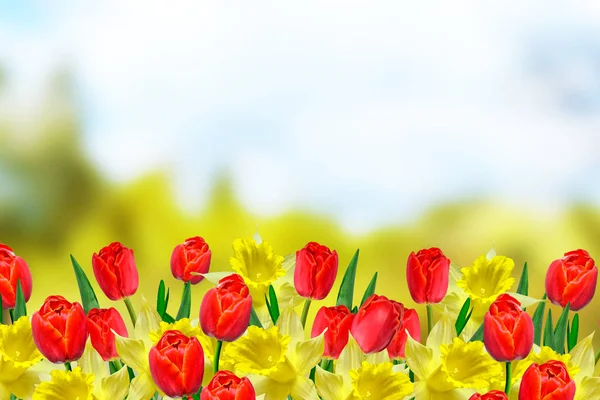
346, 292
186, 302
538, 318
88, 297
20, 306
370, 289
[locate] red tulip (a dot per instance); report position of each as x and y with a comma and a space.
315, 272
409, 321
493, 395
549, 381
337, 320
59, 330
191, 256
427, 275
376, 323
177, 364
226, 385
507, 330
101, 322
225, 309
12, 269
572, 279
115, 271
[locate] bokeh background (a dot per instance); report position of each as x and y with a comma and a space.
388, 126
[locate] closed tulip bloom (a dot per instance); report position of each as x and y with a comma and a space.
572, 279
101, 323
191, 256
60, 330
12, 269
115, 271
507, 330
375, 324
177, 364
337, 321
427, 275
493, 395
225, 309
549, 381
315, 272
408, 322
225, 385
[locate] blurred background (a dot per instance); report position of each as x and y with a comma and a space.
387, 127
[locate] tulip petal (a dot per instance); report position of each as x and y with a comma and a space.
350, 358
289, 324
308, 354
133, 352
588, 389
420, 359
304, 388
331, 386
583, 356
114, 386
142, 388
148, 320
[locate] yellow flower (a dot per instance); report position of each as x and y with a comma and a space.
105, 385
277, 360
379, 382
18, 354
66, 385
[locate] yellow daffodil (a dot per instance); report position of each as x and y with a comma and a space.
448, 367
66, 385
18, 354
277, 360
105, 385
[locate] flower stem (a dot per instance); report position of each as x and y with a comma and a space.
597, 357
68, 366
130, 310
117, 364
508, 378
5, 317
429, 318
217, 355
307, 303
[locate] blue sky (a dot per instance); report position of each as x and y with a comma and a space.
368, 112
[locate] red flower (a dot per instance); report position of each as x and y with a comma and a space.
427, 275
315, 272
12, 269
409, 321
115, 271
549, 381
572, 279
177, 364
191, 256
225, 309
507, 330
227, 386
493, 395
337, 320
376, 323
59, 330
100, 323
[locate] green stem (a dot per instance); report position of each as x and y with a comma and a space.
508, 378
5, 317
68, 366
130, 310
217, 355
117, 363
597, 357
429, 318
12, 314
307, 303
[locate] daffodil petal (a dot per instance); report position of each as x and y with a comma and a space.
308, 354
289, 324
583, 356
133, 352
4, 392
443, 332
588, 389
420, 359
23, 387
114, 386
350, 358
331, 386
92, 362
214, 277
289, 261
525, 301
401, 368
304, 388
271, 389
378, 358
148, 320
142, 387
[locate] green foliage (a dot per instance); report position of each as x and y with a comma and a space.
20, 306
346, 293
186, 302
463, 316
370, 289
88, 297
538, 319
272, 305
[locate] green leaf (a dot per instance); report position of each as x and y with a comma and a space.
186, 302
463, 317
548, 334
346, 293
274, 304
355, 310
561, 330
478, 335
254, 320
88, 297
20, 306
538, 319
160, 299
523, 287
370, 289
168, 318
573, 333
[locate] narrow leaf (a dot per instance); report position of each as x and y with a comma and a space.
538, 319
186, 302
370, 289
478, 335
462, 318
561, 330
548, 334
20, 306
346, 293
160, 298
573, 333
523, 287
168, 318
254, 320
355, 310
88, 297
274, 304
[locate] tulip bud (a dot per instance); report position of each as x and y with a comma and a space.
101, 322
59, 330
337, 320
225, 385
12, 269
225, 309
375, 324
572, 279
507, 330
408, 322
493, 395
547, 381
177, 364
191, 256
315, 272
115, 271
427, 275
